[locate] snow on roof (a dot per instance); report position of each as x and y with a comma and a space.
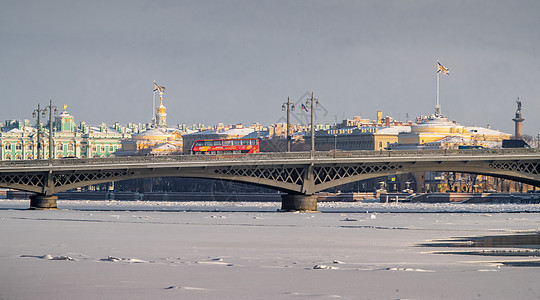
484, 131
434, 121
204, 132
394, 129
451, 140
95, 129
237, 131
153, 132
257, 134
25, 129
167, 146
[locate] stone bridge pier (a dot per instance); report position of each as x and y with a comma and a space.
41, 201
299, 202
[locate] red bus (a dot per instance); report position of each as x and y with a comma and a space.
226, 146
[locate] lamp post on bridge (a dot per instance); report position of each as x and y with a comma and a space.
51, 110
312, 101
46, 199
39, 113
288, 106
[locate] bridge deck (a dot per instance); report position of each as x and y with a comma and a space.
277, 158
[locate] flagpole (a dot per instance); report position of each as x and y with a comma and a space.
438, 106
154, 106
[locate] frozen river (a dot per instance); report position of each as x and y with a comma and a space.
209, 250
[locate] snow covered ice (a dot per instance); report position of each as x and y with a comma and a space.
201, 250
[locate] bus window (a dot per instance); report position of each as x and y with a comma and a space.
227, 143
209, 143
199, 144
217, 143
253, 142
237, 142
245, 142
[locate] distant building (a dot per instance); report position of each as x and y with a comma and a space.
358, 138
19, 140
154, 141
439, 132
157, 139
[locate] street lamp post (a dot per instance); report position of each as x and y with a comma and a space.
52, 110
39, 113
288, 106
335, 142
312, 101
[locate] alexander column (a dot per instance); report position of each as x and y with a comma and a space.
518, 120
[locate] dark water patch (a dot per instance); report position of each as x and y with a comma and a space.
532, 263
528, 244
531, 240
512, 253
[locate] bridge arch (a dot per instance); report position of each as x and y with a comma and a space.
303, 179
293, 173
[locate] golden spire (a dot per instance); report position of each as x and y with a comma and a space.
161, 116
160, 108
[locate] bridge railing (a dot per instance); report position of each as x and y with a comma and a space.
267, 156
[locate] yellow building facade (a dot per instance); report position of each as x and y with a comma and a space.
438, 129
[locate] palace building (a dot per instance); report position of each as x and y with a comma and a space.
20, 141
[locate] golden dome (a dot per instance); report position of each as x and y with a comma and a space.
160, 109
154, 134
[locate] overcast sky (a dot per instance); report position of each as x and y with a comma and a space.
238, 61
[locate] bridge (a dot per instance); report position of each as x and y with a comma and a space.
298, 174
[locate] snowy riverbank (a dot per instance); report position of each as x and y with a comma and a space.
362, 206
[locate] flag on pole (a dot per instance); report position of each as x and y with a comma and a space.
441, 69
304, 107
158, 87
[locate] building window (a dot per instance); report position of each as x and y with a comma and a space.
60, 147
94, 148
8, 156
111, 149
8, 146
29, 146
18, 146
18, 157
83, 148
70, 147
102, 149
